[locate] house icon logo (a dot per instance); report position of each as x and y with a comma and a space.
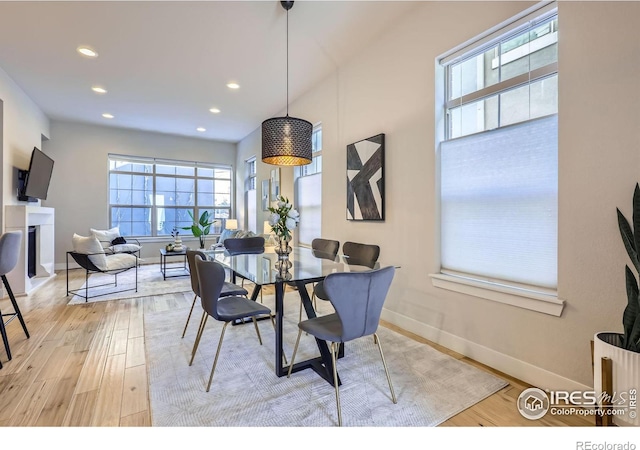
533, 403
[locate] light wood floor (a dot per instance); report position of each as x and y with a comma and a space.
84, 365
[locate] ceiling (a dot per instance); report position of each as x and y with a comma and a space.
165, 63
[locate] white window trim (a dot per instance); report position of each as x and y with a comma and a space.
539, 300
544, 302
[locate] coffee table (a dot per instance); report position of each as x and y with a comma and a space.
184, 270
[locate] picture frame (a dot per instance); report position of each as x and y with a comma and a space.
275, 184
365, 179
266, 187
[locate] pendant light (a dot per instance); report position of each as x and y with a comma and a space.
286, 141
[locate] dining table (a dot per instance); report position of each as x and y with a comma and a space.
304, 266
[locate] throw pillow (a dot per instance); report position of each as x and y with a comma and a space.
89, 245
119, 240
106, 236
226, 234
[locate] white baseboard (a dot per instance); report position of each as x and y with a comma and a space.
516, 368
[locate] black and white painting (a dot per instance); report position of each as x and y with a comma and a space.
365, 179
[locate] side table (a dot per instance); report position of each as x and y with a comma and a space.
163, 264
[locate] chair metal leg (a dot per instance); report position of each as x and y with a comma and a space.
295, 349
15, 305
255, 324
334, 351
203, 322
386, 371
16, 313
195, 297
215, 361
3, 332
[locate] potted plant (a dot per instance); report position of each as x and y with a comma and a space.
201, 227
624, 348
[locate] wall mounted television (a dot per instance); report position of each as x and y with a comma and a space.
33, 184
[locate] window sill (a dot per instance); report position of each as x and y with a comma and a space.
534, 301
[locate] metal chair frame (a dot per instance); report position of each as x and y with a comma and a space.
85, 263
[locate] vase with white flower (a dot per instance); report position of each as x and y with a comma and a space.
284, 219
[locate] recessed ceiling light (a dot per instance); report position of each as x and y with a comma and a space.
98, 89
87, 51
214, 110
107, 116
233, 85
201, 129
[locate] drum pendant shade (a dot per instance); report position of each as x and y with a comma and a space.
286, 141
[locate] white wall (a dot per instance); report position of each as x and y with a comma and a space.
248, 147
23, 126
390, 88
79, 183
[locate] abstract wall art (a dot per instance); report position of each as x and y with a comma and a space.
365, 179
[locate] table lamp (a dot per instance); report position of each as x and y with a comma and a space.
231, 224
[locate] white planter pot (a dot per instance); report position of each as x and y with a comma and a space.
626, 375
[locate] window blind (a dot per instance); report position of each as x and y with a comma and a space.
309, 199
499, 207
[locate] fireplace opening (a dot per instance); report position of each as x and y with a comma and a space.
31, 252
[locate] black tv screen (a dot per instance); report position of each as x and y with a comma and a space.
39, 175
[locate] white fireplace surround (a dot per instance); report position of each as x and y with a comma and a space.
21, 217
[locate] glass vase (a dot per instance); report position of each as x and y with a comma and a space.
282, 247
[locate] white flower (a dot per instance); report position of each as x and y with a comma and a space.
274, 218
291, 223
294, 214
281, 204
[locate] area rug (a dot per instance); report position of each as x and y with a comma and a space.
150, 282
430, 386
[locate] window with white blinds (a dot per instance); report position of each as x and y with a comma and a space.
308, 186
499, 157
309, 195
499, 203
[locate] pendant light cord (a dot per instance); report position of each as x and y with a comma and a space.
287, 62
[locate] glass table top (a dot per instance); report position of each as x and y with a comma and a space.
306, 265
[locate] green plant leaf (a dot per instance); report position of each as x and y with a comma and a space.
195, 229
206, 229
204, 219
636, 216
633, 342
627, 239
632, 311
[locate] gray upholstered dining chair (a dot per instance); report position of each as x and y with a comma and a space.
9, 254
245, 246
211, 277
358, 298
356, 254
228, 289
321, 248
